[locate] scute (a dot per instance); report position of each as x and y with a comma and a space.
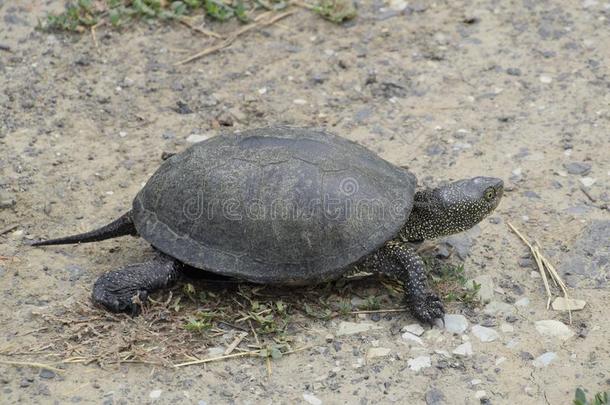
274, 205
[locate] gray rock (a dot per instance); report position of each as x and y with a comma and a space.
544, 359
485, 334
462, 242
464, 350
579, 168
7, 200
554, 329
434, 396
513, 71
498, 308
455, 323
587, 265
351, 328
46, 374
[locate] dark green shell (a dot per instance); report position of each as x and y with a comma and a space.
274, 205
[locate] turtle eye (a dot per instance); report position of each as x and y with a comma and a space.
490, 193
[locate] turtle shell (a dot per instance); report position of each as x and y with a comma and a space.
277, 205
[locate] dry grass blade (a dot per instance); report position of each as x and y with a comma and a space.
31, 364
227, 42
228, 356
544, 266
235, 343
209, 33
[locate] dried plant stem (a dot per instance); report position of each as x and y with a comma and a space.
31, 364
231, 38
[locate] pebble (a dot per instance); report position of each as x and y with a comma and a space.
525, 262
408, 336
375, 352
465, 350
299, 101
194, 138
544, 359
568, 304
588, 181
513, 71
312, 399
46, 374
419, 362
553, 328
414, 328
480, 394
485, 334
398, 5
455, 323
351, 328
545, 79
434, 396
498, 308
507, 328
7, 200
578, 168
155, 394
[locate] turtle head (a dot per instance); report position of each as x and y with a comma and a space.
452, 208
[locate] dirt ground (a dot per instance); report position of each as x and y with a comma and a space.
518, 90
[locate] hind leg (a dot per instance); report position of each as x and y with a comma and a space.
401, 261
122, 290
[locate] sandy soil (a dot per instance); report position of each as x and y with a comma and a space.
518, 90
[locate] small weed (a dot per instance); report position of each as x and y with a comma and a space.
82, 14
336, 11
197, 326
580, 398
450, 280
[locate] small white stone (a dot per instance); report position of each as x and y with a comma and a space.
588, 181
568, 304
455, 323
374, 352
409, 337
480, 394
122, 134
500, 360
545, 79
312, 399
299, 101
155, 394
262, 90
485, 334
544, 359
553, 328
414, 328
109, 192
475, 381
194, 138
523, 302
398, 5
507, 328
351, 328
419, 362
567, 152
465, 350
517, 172
534, 274
498, 308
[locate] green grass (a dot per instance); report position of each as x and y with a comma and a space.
580, 398
82, 14
451, 282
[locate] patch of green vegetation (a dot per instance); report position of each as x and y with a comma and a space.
82, 14
580, 398
451, 282
336, 11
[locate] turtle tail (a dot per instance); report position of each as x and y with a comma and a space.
119, 227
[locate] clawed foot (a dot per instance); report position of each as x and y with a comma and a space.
427, 308
112, 294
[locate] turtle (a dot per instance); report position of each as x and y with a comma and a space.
286, 206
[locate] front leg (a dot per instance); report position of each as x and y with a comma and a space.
122, 290
401, 261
